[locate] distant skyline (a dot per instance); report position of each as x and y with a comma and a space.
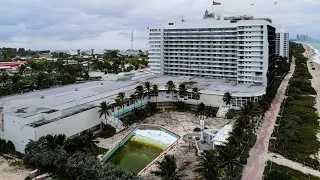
106, 24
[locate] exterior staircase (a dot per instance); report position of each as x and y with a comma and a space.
222, 112
115, 122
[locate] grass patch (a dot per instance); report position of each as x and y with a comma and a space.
279, 172
15, 163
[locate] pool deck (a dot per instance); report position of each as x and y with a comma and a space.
179, 123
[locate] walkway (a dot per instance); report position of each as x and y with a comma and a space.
258, 154
292, 164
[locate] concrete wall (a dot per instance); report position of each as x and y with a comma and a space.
15, 131
70, 125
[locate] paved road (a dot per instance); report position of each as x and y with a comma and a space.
258, 154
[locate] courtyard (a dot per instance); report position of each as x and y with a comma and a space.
180, 123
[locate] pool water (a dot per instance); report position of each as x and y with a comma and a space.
142, 148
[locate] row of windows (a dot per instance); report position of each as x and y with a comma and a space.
155, 30
198, 50
208, 37
201, 29
190, 54
167, 71
200, 67
156, 42
154, 34
155, 38
200, 34
153, 46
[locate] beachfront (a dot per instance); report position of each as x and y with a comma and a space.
314, 69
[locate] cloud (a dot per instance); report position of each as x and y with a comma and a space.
99, 24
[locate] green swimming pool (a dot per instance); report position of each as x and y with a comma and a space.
142, 147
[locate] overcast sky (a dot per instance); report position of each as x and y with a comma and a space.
107, 24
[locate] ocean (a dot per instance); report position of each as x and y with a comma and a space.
315, 44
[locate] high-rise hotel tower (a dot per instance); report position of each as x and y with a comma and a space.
238, 48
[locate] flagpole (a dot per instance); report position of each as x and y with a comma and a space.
212, 9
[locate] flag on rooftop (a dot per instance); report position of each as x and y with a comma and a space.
216, 3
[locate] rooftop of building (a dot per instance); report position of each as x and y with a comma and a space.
70, 98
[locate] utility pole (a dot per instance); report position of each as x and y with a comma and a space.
132, 40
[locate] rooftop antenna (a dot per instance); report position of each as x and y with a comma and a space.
132, 40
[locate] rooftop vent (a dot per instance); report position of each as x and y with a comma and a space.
42, 97
101, 83
76, 89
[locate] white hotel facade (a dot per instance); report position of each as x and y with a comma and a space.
240, 49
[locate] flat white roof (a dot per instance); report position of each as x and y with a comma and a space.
222, 135
70, 98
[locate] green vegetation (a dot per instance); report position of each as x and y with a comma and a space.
106, 132
71, 159
298, 124
227, 99
167, 169
228, 161
274, 171
40, 75
138, 115
6, 147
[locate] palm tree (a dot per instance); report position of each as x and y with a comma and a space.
21, 69
182, 91
104, 111
133, 100
227, 99
196, 94
208, 166
140, 92
52, 142
121, 100
88, 140
171, 87
228, 157
167, 169
251, 111
147, 85
155, 90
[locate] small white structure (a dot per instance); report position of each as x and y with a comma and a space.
222, 136
211, 138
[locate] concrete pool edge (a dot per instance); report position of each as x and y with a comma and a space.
129, 135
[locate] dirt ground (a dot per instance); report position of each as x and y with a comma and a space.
8, 172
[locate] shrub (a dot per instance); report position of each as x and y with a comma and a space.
6, 147
211, 111
74, 165
107, 131
10, 146
196, 129
231, 113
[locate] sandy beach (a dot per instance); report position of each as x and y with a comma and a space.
310, 53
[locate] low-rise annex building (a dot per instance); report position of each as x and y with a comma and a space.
72, 109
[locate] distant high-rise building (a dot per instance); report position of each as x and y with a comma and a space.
282, 42
239, 48
78, 51
92, 51
298, 37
